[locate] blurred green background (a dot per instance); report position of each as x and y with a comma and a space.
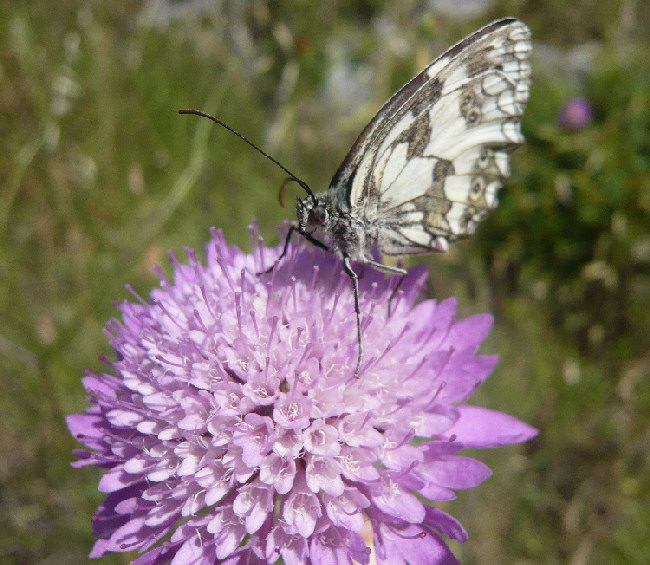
100, 177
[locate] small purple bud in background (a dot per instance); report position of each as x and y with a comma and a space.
575, 114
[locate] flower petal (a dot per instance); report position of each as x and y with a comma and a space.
482, 428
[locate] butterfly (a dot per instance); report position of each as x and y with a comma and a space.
426, 169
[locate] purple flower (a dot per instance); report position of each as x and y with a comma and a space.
236, 430
575, 114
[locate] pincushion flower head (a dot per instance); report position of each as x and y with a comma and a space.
234, 431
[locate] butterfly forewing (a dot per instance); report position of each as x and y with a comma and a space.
427, 168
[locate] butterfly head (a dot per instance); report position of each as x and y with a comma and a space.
313, 212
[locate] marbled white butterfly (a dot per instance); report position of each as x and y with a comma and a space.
428, 166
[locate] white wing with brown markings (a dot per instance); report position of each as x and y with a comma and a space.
427, 168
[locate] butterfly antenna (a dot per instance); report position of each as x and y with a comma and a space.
203, 114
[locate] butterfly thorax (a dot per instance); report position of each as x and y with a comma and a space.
328, 219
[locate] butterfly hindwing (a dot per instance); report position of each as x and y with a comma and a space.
428, 166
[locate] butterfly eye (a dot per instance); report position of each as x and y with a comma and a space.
317, 215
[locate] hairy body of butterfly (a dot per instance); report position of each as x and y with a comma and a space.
426, 169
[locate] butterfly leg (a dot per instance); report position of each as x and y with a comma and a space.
355, 284
391, 270
384, 268
310, 238
392, 294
